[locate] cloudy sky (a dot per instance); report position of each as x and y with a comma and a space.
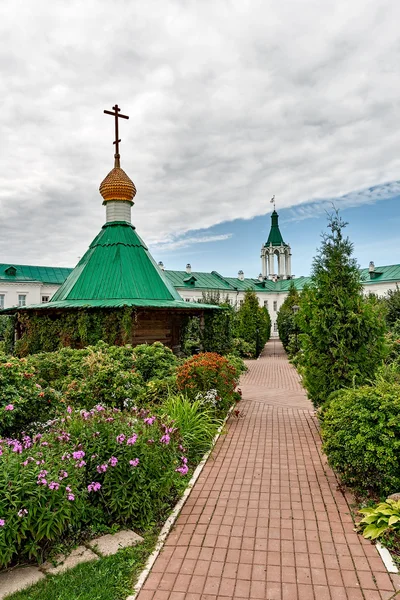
230, 102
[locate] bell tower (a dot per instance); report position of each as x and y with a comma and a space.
276, 255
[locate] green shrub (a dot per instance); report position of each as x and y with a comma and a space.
96, 467
244, 349
361, 437
342, 335
154, 361
253, 323
287, 322
238, 364
22, 400
380, 519
196, 423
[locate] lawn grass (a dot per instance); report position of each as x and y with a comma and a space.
110, 578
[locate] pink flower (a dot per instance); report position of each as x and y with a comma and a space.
101, 468
165, 439
70, 497
134, 463
44, 444
99, 408
78, 454
94, 486
42, 481
22, 512
113, 461
120, 438
63, 475
9, 407
149, 420
69, 410
53, 485
68, 489
183, 469
2, 522
81, 464
130, 441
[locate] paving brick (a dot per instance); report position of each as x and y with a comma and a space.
266, 518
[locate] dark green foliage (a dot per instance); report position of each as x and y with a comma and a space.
361, 437
244, 349
342, 332
22, 400
154, 361
286, 319
191, 337
77, 329
392, 305
252, 323
217, 335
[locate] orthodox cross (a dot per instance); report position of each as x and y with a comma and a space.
272, 199
117, 116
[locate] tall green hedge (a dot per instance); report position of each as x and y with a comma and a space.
342, 336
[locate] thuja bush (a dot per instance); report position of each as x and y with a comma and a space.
342, 338
208, 371
23, 401
101, 467
361, 436
286, 319
252, 324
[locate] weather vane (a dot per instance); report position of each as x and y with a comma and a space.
117, 116
272, 199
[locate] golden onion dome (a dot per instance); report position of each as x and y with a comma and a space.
117, 186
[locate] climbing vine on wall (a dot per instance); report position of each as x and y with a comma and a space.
77, 329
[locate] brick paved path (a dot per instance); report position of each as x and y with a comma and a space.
265, 519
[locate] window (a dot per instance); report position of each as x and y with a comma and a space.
187, 299
21, 299
275, 305
275, 327
2, 296
241, 302
45, 298
265, 303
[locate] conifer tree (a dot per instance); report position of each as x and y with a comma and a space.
286, 319
253, 323
342, 332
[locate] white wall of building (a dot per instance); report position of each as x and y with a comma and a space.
13, 293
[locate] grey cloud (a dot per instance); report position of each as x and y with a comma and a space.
229, 102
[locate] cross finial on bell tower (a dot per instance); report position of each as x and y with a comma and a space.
115, 113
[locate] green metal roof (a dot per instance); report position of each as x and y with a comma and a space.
197, 280
49, 275
117, 266
389, 273
275, 237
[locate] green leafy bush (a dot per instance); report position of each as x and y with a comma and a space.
361, 437
243, 349
22, 400
101, 466
196, 423
154, 361
342, 338
380, 519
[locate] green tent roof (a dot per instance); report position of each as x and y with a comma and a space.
275, 237
117, 270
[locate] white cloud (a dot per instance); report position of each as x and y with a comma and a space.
229, 103
177, 244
